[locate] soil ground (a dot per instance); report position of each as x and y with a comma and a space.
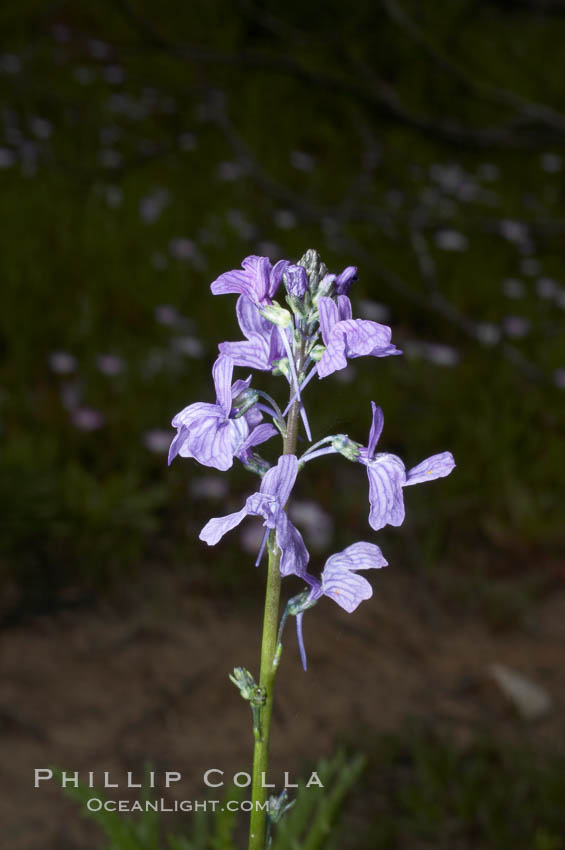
104, 690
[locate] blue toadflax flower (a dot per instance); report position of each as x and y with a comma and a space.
269, 503
340, 581
346, 337
388, 476
213, 433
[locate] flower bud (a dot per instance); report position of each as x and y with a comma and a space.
300, 603
326, 287
244, 401
277, 315
279, 806
281, 367
346, 447
296, 281
255, 463
317, 352
315, 268
242, 679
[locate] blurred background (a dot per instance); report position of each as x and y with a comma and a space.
146, 148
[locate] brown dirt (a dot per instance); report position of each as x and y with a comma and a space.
102, 691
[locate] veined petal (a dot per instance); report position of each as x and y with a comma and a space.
436, 466
276, 276
329, 317
198, 410
240, 385
215, 528
252, 354
259, 435
345, 279
358, 556
222, 372
279, 480
386, 479
294, 554
259, 270
376, 429
250, 319
229, 282
333, 359
177, 443
346, 588
259, 504
344, 309
363, 336
211, 444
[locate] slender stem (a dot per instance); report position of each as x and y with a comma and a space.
258, 821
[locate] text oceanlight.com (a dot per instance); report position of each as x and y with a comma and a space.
96, 804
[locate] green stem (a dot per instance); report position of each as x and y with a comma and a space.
259, 795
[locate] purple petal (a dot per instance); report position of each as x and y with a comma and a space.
240, 385
363, 336
333, 359
215, 528
296, 280
294, 554
250, 319
276, 276
328, 317
232, 281
198, 410
177, 443
279, 480
358, 556
436, 466
386, 479
211, 444
259, 270
260, 434
345, 279
222, 372
346, 588
344, 309
376, 429
253, 354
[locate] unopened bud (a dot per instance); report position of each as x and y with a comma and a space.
244, 401
326, 287
277, 315
296, 280
346, 447
242, 679
257, 464
279, 806
317, 352
315, 268
281, 367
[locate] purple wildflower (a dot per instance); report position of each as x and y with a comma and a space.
345, 337
269, 503
387, 476
263, 344
210, 432
259, 280
339, 581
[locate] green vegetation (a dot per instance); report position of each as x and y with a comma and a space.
422, 144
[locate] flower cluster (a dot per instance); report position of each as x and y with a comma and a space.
309, 331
